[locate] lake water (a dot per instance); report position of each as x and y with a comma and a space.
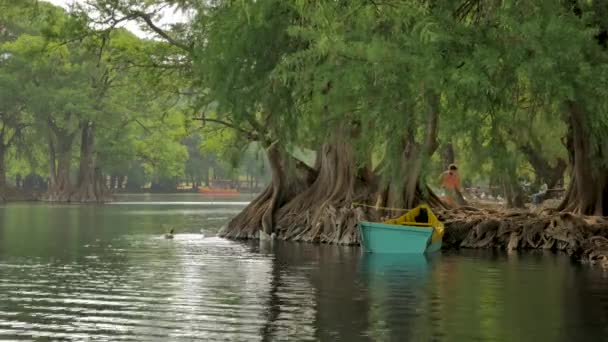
72, 272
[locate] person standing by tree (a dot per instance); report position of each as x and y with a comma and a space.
450, 182
539, 197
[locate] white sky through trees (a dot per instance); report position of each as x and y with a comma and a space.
168, 17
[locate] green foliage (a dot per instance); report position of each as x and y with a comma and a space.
500, 74
161, 151
59, 73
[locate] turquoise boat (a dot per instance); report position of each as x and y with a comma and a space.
418, 231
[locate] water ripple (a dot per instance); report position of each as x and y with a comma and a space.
107, 274
188, 288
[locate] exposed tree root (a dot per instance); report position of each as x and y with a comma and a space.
247, 223
321, 212
335, 225
290, 177
588, 190
92, 189
583, 237
317, 205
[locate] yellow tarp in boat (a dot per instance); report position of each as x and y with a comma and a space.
409, 219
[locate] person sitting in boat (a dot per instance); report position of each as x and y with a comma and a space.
450, 182
422, 217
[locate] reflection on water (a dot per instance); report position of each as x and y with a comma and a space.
105, 272
395, 282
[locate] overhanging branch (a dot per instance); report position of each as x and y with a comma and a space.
251, 135
148, 20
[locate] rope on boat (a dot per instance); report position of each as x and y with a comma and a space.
356, 204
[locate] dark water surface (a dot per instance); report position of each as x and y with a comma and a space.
71, 272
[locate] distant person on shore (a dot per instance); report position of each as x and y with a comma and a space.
450, 182
538, 197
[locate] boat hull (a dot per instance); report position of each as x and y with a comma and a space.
389, 238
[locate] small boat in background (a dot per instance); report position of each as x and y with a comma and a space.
418, 231
222, 192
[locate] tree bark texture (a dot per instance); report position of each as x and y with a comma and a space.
91, 186
289, 177
318, 205
52, 162
449, 157
551, 175
2, 168
513, 193
588, 190
3, 187
322, 211
61, 187
584, 238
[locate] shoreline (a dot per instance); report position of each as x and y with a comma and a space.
14, 197
583, 238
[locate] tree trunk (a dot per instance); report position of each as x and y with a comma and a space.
52, 162
408, 190
3, 188
449, 156
60, 152
588, 190
2, 168
61, 186
551, 175
87, 161
91, 183
513, 193
206, 175
317, 205
62, 180
289, 177
278, 193
321, 212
